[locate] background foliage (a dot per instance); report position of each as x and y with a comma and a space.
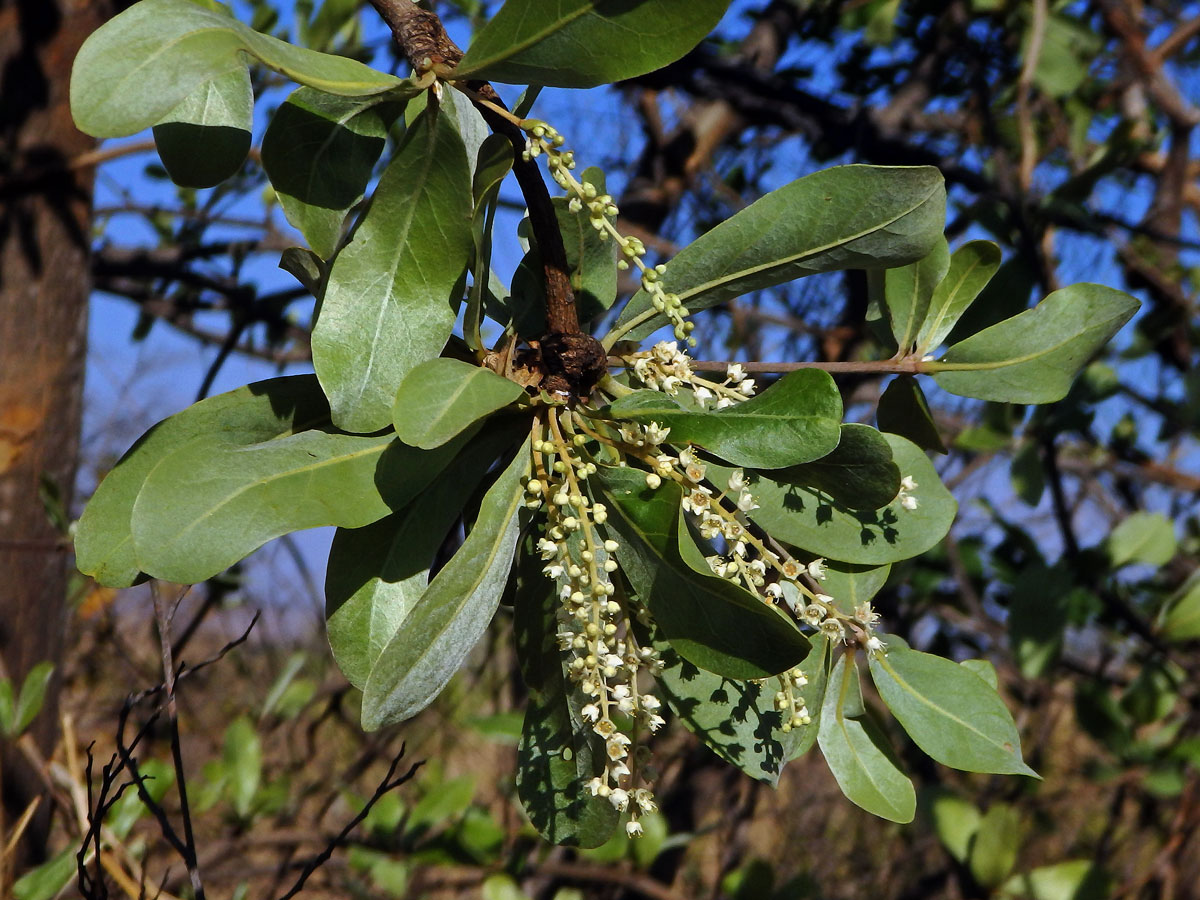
1067, 135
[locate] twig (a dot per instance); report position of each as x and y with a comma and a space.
1033, 53
387, 784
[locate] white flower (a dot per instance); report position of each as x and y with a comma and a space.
617, 746
875, 645
645, 800
735, 373
656, 434
724, 403
595, 785
702, 395
554, 571
737, 481
591, 712
910, 502
633, 828
816, 569
907, 483
745, 502
619, 798
746, 386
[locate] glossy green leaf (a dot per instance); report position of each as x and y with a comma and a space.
133, 70
808, 519
984, 670
1182, 622
710, 621
903, 410
559, 753
249, 415
851, 586
439, 399
319, 151
453, 612
857, 751
205, 507
908, 290
738, 720
997, 841
796, 420
949, 712
585, 43
859, 473
376, 574
1143, 537
205, 139
971, 267
846, 217
1034, 356
391, 299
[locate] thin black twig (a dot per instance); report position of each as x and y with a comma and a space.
388, 784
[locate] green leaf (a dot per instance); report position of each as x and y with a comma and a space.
903, 410
559, 753
439, 399
1028, 476
133, 70
249, 415
376, 574
243, 765
1033, 357
129, 807
205, 507
738, 720
1142, 537
318, 152
709, 621
955, 822
1076, 879
585, 43
452, 613
984, 670
950, 713
808, 519
33, 694
908, 290
859, 473
847, 217
971, 268
1182, 622
8, 708
851, 586
796, 420
306, 267
994, 850
205, 139
392, 294
492, 164
47, 881
857, 751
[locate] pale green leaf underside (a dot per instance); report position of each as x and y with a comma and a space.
908, 290
141, 64
440, 398
389, 302
949, 712
453, 612
971, 267
204, 139
1034, 356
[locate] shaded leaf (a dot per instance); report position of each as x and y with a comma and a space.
319, 151
903, 410
249, 415
32, 696
971, 267
997, 841
796, 420
955, 822
391, 298
857, 751
908, 290
1077, 879
492, 164
452, 613
1034, 356
439, 399
846, 217
133, 70
1037, 616
709, 621
1182, 621
949, 712
205, 139
808, 519
585, 43
859, 473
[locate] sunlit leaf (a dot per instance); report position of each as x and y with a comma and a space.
204, 139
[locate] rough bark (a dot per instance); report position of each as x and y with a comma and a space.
45, 221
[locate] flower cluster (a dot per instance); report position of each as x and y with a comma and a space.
604, 656
666, 368
542, 138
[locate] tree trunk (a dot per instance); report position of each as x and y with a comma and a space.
45, 233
